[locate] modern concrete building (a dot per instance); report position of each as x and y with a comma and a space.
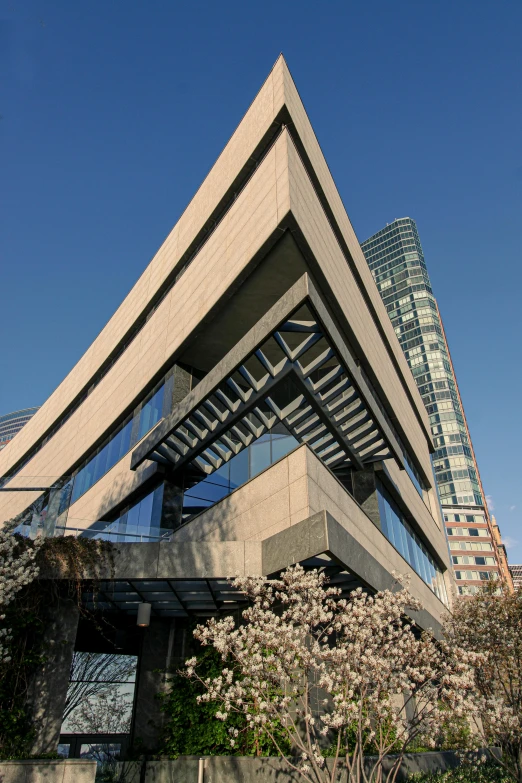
396, 260
247, 407
11, 423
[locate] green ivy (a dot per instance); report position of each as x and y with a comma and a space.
472, 773
25, 647
192, 728
27, 617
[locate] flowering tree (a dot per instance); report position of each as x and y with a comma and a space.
340, 676
492, 623
18, 568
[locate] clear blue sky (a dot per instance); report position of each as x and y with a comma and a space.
113, 111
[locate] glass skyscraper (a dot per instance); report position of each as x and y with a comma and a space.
396, 260
12, 423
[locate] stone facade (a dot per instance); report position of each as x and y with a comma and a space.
247, 407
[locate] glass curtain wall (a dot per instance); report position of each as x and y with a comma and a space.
394, 255
98, 709
400, 534
143, 520
127, 435
396, 260
139, 523
155, 406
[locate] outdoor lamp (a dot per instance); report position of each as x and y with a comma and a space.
143, 618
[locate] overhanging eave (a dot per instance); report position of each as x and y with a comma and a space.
326, 402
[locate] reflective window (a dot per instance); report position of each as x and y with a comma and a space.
102, 462
127, 434
100, 694
98, 709
139, 523
413, 473
106, 755
151, 412
400, 534
248, 463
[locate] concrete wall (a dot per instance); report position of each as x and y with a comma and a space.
279, 189
217, 769
294, 489
250, 222
237, 769
48, 771
277, 101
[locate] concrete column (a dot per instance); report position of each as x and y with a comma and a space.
365, 493
47, 691
178, 383
172, 507
154, 661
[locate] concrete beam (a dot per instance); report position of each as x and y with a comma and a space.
322, 534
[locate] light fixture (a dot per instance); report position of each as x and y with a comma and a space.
143, 618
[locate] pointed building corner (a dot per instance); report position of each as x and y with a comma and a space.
248, 406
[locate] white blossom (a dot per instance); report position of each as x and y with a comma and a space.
492, 623
300, 642
18, 568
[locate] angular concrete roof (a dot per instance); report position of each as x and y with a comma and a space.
277, 103
271, 177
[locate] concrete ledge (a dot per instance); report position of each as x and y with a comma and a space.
243, 769
48, 771
321, 533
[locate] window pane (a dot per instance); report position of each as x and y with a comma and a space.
83, 480
65, 497
100, 464
133, 518
222, 476
108, 707
208, 490
125, 442
151, 412
281, 445
157, 507
145, 511
259, 455
113, 450
239, 469
399, 533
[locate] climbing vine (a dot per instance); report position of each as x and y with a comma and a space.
34, 576
191, 727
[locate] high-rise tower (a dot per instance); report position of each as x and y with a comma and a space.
12, 423
396, 260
